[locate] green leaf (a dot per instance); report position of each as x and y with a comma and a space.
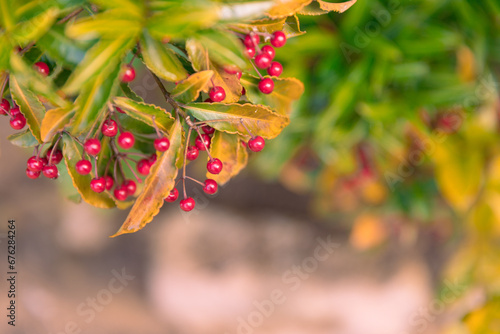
72, 154
260, 120
63, 49
182, 19
23, 139
34, 28
157, 185
161, 60
144, 112
101, 60
233, 155
286, 90
189, 89
29, 105
55, 120
201, 62
130, 93
92, 102
223, 47
292, 27
7, 15
110, 24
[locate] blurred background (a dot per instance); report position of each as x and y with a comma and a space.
376, 211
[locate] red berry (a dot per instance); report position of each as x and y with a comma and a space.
172, 196
15, 111
244, 144
92, 146
210, 186
109, 128
130, 186
251, 40
144, 166
203, 142
208, 129
217, 94
162, 144
50, 171
263, 60
109, 182
214, 166
266, 85
98, 184
55, 157
187, 204
4, 107
35, 164
152, 159
31, 174
120, 110
128, 73
243, 91
45, 162
126, 140
18, 122
278, 39
83, 167
256, 144
192, 153
42, 68
269, 50
120, 193
249, 52
275, 69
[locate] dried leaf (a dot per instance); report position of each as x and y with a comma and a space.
189, 89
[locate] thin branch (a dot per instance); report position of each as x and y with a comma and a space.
70, 16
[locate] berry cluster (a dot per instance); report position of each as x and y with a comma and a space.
46, 164
262, 57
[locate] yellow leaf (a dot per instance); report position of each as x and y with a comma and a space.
283, 8
55, 120
233, 155
157, 185
336, 7
189, 89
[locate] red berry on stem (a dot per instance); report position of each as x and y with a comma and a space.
266, 85
210, 186
256, 144
31, 174
83, 167
162, 144
144, 166
92, 146
120, 193
4, 107
275, 69
126, 140
35, 164
42, 68
172, 196
18, 122
45, 161
208, 129
278, 39
263, 60
130, 186
214, 166
251, 40
15, 111
217, 94
57, 156
109, 182
187, 204
50, 171
128, 73
109, 128
98, 185
203, 142
192, 153
249, 52
269, 50
152, 159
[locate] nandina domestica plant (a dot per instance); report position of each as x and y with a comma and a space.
65, 73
